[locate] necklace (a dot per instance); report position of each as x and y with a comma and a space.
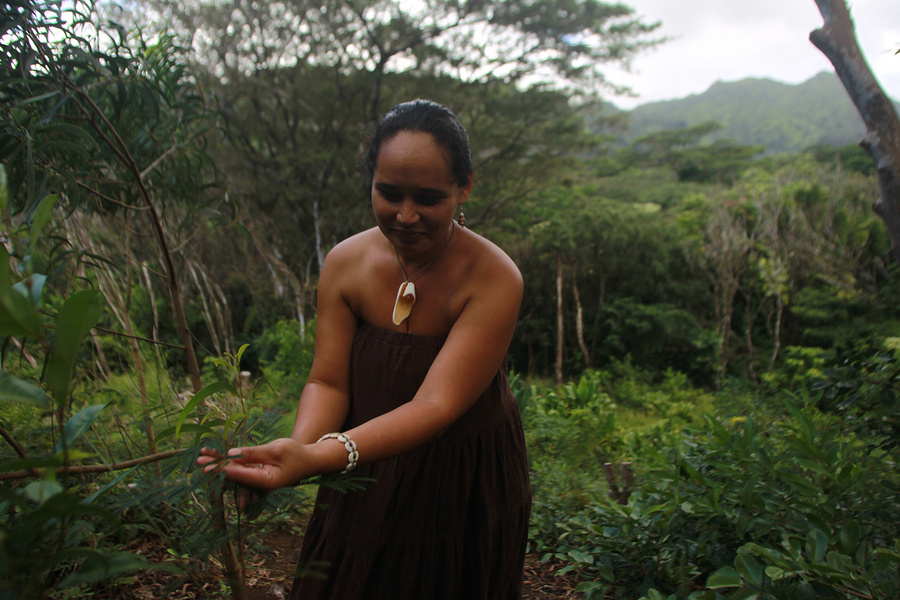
406, 294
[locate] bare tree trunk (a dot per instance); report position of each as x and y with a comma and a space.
779, 314
726, 247
558, 367
579, 325
749, 317
317, 201
837, 41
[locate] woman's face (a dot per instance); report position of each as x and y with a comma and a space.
414, 195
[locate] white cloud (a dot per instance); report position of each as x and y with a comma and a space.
728, 40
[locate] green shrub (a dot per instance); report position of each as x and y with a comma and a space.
799, 509
286, 354
574, 429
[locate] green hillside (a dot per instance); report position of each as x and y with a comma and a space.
781, 117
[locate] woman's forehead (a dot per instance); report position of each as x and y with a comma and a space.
413, 153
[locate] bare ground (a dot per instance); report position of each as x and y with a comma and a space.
270, 570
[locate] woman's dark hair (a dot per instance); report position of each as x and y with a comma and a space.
428, 117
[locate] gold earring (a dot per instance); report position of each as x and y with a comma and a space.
462, 218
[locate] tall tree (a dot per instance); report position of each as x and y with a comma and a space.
837, 40
299, 82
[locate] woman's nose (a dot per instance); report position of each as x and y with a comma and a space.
407, 213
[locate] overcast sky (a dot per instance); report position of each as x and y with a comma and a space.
730, 40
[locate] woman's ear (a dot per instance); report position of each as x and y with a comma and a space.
465, 190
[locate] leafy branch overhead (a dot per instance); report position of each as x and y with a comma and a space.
485, 39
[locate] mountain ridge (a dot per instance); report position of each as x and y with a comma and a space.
756, 111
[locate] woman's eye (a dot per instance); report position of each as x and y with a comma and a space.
429, 200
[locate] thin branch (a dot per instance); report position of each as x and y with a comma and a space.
83, 469
137, 337
109, 198
12, 442
120, 149
161, 158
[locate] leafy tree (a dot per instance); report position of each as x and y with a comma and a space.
299, 83
110, 123
692, 158
109, 126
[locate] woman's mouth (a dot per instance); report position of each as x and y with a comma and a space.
408, 236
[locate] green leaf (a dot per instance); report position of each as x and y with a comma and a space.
32, 287
725, 577
18, 316
742, 594
72, 456
581, 557
240, 353
41, 491
848, 538
74, 321
589, 586
749, 569
886, 556
653, 594
78, 424
14, 389
231, 419
22, 464
42, 215
213, 388
187, 427
816, 545
110, 485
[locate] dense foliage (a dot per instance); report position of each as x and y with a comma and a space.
790, 500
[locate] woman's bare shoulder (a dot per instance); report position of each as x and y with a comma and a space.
351, 253
490, 261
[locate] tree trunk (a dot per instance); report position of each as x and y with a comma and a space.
579, 325
837, 41
749, 317
558, 367
779, 314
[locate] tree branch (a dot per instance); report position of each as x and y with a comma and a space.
12, 442
82, 469
137, 337
837, 41
118, 146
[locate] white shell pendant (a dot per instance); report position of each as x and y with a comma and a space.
406, 297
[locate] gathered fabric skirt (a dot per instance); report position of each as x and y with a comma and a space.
447, 520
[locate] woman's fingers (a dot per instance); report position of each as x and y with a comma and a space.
208, 456
263, 467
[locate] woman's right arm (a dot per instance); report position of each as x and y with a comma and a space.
324, 402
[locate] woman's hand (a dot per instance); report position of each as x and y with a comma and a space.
265, 468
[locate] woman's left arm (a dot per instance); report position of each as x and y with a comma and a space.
469, 359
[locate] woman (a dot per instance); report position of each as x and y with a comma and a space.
408, 385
